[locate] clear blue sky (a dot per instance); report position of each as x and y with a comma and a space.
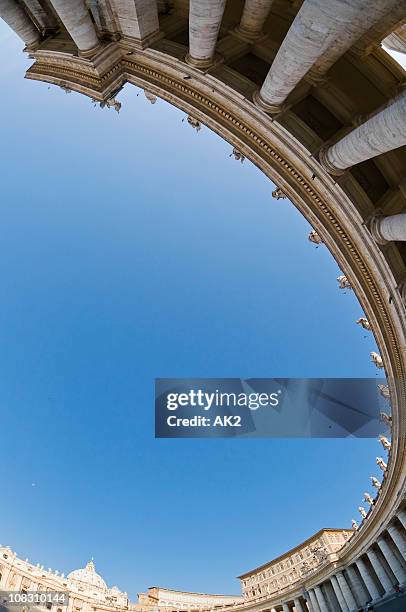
132, 247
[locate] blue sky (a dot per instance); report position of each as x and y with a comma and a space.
132, 247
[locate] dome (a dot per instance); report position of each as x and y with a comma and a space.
88, 577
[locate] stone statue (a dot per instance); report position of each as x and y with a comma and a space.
319, 554
315, 238
362, 512
238, 156
150, 96
381, 463
385, 418
375, 482
385, 443
377, 359
343, 282
305, 568
278, 194
63, 85
354, 524
368, 499
364, 323
113, 103
195, 123
384, 391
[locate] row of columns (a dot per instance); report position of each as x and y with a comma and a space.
320, 33
205, 18
372, 577
310, 38
318, 36
138, 20
72, 13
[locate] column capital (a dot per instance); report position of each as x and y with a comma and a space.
271, 109
203, 64
326, 163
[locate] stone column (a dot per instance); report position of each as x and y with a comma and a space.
380, 571
204, 24
346, 591
402, 517
76, 19
384, 132
398, 538
320, 30
138, 19
320, 599
386, 229
392, 560
356, 585
5, 577
313, 601
285, 607
45, 20
298, 605
376, 14
19, 580
339, 595
253, 18
367, 578
397, 40
18, 20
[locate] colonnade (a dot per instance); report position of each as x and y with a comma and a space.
376, 574
320, 33
318, 36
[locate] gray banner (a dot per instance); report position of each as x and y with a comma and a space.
279, 407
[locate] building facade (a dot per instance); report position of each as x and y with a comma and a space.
306, 91
182, 600
87, 590
294, 565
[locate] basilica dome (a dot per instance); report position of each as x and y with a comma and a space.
88, 577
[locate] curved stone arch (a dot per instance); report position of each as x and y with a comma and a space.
316, 194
